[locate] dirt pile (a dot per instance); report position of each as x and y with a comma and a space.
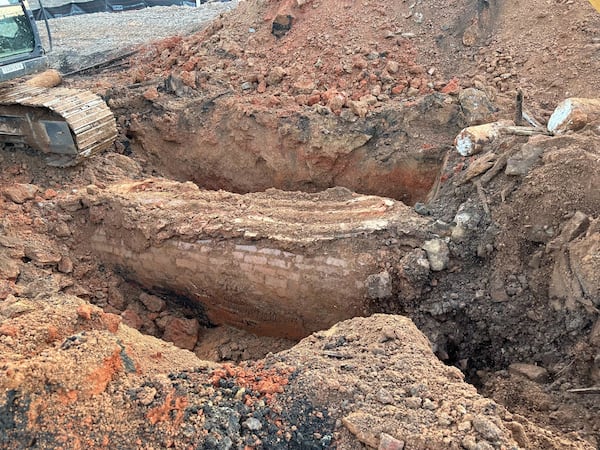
333, 102
73, 376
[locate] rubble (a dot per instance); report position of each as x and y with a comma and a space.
573, 114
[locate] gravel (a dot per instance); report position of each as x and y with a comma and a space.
85, 39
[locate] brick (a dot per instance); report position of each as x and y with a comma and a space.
219, 261
246, 248
267, 270
278, 263
255, 259
270, 251
336, 262
185, 246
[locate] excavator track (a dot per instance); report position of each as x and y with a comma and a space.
66, 124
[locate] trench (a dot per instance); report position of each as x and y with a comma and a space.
396, 152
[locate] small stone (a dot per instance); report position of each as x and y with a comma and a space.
421, 208
9, 268
476, 106
465, 425
247, 86
384, 396
412, 92
388, 334
182, 332
116, 298
487, 429
61, 229
252, 424
275, 76
469, 443
132, 319
65, 265
387, 442
152, 302
413, 402
429, 404
360, 108
369, 99
111, 321
85, 311
531, 371
151, 94
521, 163
41, 256
392, 66
519, 434
8, 330
576, 226
146, 395
20, 193
304, 86
438, 254
470, 36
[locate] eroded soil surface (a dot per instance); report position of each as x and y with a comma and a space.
501, 279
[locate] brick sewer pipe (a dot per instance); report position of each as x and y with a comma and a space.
275, 263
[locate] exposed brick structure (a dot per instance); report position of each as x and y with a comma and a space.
283, 264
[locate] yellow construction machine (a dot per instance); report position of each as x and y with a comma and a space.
67, 125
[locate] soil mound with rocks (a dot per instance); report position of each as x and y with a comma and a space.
501, 277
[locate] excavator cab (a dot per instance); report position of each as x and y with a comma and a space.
21, 51
66, 124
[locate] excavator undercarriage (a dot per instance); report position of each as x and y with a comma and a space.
68, 125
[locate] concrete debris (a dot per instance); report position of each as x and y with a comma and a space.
438, 254
472, 140
476, 107
573, 114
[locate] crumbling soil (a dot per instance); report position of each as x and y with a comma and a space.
367, 95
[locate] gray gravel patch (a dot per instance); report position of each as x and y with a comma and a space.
82, 40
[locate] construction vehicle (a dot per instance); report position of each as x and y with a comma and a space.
65, 124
